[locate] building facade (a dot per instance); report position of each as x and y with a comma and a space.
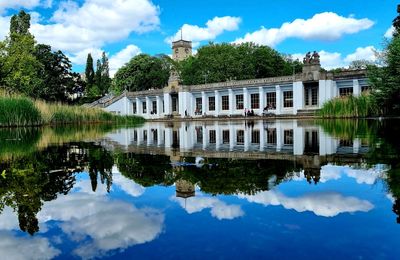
288, 95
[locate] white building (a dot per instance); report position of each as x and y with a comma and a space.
292, 95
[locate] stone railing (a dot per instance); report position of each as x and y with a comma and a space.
240, 83
350, 74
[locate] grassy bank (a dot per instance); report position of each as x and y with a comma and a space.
349, 107
22, 111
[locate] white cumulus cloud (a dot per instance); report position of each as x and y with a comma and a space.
95, 23
28, 4
331, 60
325, 204
389, 32
213, 28
119, 59
19, 248
219, 209
325, 26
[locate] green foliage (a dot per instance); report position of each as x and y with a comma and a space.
348, 107
18, 111
385, 81
222, 62
141, 73
61, 82
89, 72
22, 111
20, 68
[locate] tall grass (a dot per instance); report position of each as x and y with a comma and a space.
22, 111
18, 111
349, 107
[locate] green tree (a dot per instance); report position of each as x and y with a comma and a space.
385, 81
61, 82
89, 72
105, 75
222, 62
141, 73
20, 69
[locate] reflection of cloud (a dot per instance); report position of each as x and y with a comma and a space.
335, 172
127, 185
12, 247
219, 209
102, 225
326, 204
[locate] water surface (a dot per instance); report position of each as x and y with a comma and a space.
243, 189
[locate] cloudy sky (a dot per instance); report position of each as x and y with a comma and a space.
340, 30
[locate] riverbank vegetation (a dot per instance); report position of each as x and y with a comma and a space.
350, 107
23, 111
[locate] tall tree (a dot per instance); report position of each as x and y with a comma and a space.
98, 74
105, 75
89, 71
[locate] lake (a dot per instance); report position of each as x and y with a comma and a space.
229, 190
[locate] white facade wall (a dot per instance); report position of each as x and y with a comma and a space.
327, 90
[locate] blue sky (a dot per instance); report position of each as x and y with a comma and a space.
340, 30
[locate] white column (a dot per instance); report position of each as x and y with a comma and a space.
298, 140
218, 137
181, 102
247, 133
167, 104
139, 109
159, 107
356, 87
279, 137
231, 102
262, 135
246, 99
262, 99
232, 137
279, 100
149, 106
217, 103
203, 102
298, 96
205, 139
159, 135
168, 138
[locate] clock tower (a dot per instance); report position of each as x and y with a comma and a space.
181, 50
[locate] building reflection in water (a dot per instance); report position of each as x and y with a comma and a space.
302, 142
242, 139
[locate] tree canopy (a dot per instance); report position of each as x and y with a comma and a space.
143, 72
385, 81
222, 62
34, 69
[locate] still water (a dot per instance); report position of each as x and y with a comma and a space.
232, 190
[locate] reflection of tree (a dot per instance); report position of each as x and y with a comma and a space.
145, 169
229, 176
386, 150
100, 162
42, 176
218, 176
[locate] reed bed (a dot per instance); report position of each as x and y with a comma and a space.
349, 107
18, 111
22, 111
